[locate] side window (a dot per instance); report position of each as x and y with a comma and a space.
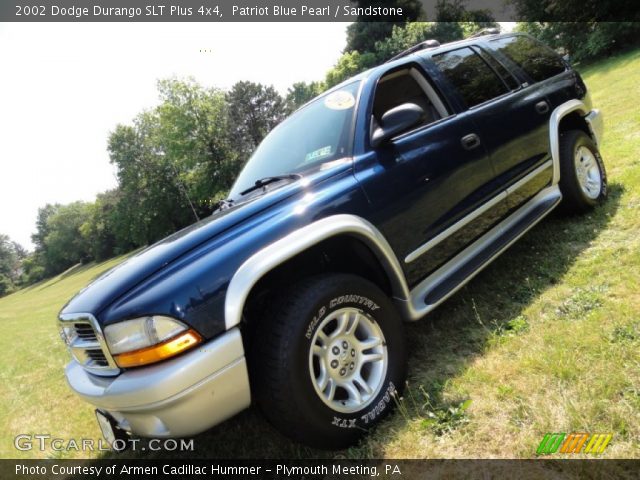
538, 60
470, 75
504, 74
407, 86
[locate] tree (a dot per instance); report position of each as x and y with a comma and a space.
12, 255
585, 40
300, 93
254, 110
173, 163
42, 226
362, 35
349, 64
32, 269
411, 34
193, 133
64, 246
99, 229
151, 206
585, 30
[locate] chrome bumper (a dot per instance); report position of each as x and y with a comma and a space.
596, 125
176, 398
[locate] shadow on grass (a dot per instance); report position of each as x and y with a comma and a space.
442, 345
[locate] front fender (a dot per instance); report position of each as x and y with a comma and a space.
195, 287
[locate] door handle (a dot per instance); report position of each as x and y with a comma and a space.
471, 141
542, 107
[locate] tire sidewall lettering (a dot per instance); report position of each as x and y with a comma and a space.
365, 418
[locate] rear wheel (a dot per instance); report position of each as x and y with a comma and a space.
583, 178
327, 360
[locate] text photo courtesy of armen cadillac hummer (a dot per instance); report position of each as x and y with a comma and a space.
355, 237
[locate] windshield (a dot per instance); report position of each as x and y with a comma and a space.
318, 133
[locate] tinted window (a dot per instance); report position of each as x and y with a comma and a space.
511, 82
473, 78
538, 60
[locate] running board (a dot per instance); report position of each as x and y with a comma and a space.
454, 274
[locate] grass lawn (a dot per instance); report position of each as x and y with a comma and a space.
547, 339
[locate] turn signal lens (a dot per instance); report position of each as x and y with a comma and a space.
161, 351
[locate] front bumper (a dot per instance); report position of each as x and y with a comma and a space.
176, 398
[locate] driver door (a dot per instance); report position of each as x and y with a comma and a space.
424, 180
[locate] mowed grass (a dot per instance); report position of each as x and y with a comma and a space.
546, 339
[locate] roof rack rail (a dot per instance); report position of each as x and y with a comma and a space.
420, 46
486, 31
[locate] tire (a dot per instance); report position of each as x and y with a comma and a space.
583, 178
287, 377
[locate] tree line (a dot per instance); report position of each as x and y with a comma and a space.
175, 162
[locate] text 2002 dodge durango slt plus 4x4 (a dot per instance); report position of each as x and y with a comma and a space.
368, 207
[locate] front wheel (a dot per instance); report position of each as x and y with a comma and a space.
328, 358
583, 178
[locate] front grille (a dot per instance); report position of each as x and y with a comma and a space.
97, 357
85, 331
83, 337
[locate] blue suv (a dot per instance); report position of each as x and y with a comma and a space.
369, 206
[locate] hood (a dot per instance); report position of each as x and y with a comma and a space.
122, 278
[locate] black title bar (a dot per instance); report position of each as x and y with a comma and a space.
292, 11
318, 469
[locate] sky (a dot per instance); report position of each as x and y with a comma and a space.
65, 86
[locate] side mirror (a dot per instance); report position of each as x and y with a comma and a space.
395, 121
567, 58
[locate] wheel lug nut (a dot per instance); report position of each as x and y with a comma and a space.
334, 363
353, 352
335, 350
343, 372
351, 367
345, 345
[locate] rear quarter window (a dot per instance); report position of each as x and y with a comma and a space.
470, 75
535, 58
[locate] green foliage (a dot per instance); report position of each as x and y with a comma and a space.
254, 109
42, 228
6, 285
584, 40
190, 129
362, 35
403, 37
64, 244
300, 93
99, 229
173, 163
33, 269
170, 163
11, 256
348, 65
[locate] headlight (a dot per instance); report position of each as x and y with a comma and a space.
148, 340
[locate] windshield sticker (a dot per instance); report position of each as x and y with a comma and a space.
318, 154
340, 100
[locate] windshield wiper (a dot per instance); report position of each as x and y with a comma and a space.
263, 182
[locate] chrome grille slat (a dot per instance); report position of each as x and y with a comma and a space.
83, 336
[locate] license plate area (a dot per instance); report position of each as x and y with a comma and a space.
114, 436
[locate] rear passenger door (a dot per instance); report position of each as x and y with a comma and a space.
512, 120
